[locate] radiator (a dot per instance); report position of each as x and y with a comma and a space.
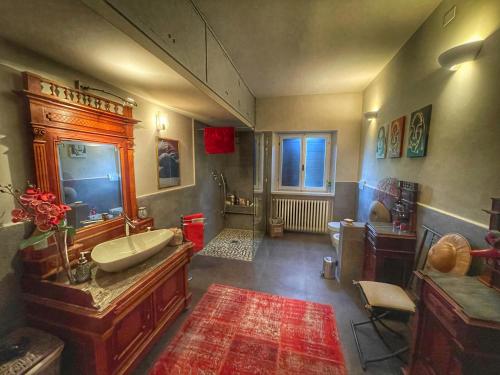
303, 215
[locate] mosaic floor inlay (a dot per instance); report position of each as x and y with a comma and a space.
232, 244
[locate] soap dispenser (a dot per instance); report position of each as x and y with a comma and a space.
82, 272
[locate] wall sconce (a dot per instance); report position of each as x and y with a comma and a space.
452, 58
161, 122
370, 115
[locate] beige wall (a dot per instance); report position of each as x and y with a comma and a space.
461, 170
333, 112
16, 159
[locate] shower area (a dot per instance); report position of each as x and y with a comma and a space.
232, 196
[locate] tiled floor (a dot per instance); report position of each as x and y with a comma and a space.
232, 244
288, 266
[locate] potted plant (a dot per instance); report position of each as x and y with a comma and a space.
41, 209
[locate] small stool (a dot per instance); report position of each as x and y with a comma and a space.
42, 356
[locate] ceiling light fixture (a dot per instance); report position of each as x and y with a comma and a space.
455, 56
370, 115
129, 102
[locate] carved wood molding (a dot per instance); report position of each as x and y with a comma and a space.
80, 121
57, 112
38, 133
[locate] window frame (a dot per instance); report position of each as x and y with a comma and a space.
327, 163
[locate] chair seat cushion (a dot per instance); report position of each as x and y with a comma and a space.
387, 296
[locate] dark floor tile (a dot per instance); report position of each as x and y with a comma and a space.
289, 266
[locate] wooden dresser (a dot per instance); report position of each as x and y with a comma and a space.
389, 254
457, 327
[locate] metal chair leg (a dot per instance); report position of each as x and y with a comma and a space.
364, 361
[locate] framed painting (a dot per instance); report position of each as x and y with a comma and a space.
77, 150
381, 142
396, 134
418, 133
168, 162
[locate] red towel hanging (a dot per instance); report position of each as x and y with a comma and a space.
219, 140
194, 230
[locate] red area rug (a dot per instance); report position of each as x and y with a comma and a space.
239, 331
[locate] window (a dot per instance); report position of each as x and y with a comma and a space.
304, 162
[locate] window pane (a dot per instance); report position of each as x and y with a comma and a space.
315, 162
290, 163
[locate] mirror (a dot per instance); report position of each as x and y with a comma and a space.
91, 181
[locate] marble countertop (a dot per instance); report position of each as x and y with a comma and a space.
476, 299
106, 287
387, 229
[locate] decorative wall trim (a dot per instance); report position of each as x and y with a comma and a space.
453, 215
165, 191
481, 225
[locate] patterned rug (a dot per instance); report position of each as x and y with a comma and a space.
239, 331
233, 244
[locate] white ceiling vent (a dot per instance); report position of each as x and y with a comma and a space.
449, 15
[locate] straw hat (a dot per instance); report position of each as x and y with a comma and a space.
378, 212
451, 254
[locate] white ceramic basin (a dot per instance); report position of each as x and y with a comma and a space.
121, 253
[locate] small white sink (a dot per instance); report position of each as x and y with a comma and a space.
121, 253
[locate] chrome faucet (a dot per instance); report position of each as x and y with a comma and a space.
128, 224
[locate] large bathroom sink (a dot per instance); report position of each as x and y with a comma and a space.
121, 253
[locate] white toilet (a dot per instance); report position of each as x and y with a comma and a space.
334, 230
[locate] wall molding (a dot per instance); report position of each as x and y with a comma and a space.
165, 191
439, 210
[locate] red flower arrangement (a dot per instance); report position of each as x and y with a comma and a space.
39, 208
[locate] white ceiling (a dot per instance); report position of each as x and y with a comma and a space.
69, 32
301, 47
281, 47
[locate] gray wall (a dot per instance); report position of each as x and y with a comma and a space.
206, 196
325, 112
460, 172
238, 170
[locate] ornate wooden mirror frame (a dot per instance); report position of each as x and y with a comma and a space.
57, 113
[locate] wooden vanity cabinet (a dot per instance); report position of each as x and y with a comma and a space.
111, 341
389, 254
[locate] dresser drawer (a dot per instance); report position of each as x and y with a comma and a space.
441, 309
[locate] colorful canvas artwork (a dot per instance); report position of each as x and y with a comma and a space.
167, 153
396, 134
381, 142
418, 133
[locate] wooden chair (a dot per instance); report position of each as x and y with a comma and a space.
383, 299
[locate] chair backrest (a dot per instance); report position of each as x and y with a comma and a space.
429, 238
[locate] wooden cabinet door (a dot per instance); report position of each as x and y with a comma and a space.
435, 347
221, 75
132, 329
168, 294
174, 25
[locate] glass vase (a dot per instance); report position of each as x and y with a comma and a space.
62, 248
